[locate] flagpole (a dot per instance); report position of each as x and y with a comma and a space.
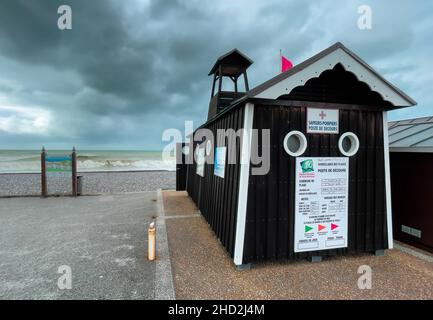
281, 54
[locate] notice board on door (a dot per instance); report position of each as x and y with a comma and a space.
321, 203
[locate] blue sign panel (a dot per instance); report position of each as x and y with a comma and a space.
220, 161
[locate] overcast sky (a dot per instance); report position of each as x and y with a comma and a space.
130, 69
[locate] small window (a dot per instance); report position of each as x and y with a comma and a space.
348, 144
295, 143
185, 150
208, 147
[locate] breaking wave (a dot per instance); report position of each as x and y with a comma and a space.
128, 165
17, 162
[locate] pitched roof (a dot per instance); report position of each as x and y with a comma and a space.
234, 52
284, 82
411, 134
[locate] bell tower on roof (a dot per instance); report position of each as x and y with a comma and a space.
230, 66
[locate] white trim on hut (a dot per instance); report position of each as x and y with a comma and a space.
387, 181
285, 82
243, 183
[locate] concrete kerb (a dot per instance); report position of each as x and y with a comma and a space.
413, 252
164, 288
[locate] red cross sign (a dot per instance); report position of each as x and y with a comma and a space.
322, 114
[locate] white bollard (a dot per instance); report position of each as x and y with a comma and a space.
151, 234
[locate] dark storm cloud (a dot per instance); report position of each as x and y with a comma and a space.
97, 46
129, 69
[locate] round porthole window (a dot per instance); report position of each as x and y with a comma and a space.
348, 144
295, 143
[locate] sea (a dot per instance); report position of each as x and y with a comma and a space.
29, 161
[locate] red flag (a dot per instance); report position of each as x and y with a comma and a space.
286, 64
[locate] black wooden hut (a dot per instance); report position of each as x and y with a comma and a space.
327, 187
411, 158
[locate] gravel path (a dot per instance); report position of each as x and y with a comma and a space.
202, 269
93, 183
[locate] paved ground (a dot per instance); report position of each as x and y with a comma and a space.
203, 270
102, 238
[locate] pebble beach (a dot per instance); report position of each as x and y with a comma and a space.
29, 184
